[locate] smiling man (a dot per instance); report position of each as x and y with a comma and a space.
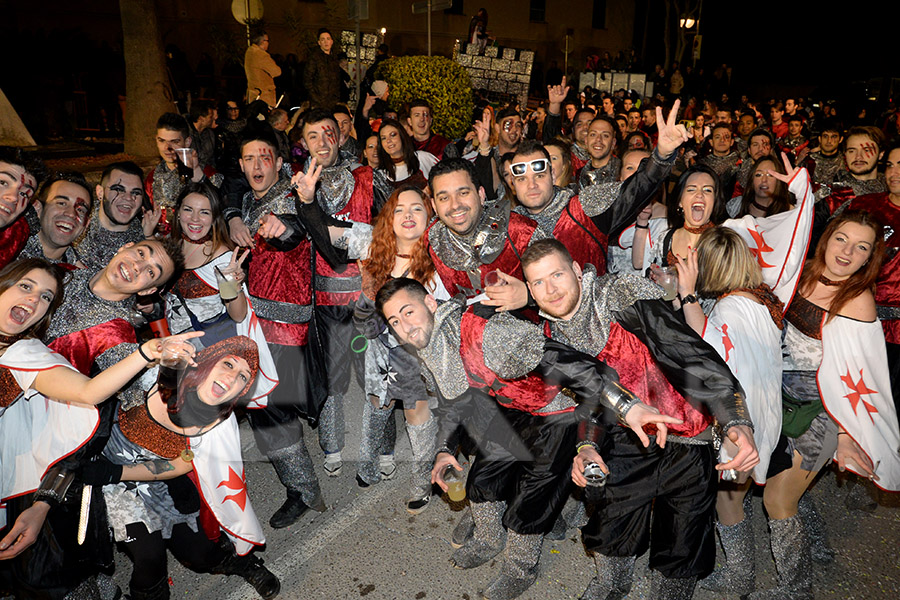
64, 209
621, 320
601, 141
520, 479
120, 217
20, 174
584, 221
344, 191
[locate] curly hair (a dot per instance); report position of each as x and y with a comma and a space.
376, 270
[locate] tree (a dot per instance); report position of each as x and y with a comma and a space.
146, 80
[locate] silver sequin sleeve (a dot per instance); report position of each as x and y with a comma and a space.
512, 347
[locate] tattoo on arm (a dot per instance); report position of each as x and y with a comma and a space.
157, 467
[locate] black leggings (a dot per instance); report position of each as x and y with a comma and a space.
148, 553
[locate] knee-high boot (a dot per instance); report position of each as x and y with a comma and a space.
296, 472
331, 433
672, 588
791, 551
613, 580
819, 548
520, 566
738, 575
422, 439
371, 441
488, 538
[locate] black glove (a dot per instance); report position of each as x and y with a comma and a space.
101, 472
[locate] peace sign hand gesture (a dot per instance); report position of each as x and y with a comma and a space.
788, 169
304, 184
234, 265
671, 133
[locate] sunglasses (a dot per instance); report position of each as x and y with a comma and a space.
538, 165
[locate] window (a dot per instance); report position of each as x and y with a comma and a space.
598, 20
538, 11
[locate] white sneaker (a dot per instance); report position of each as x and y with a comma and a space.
333, 464
387, 466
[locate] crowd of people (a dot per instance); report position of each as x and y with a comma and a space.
624, 316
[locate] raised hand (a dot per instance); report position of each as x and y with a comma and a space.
304, 184
788, 169
671, 133
688, 270
511, 294
234, 264
556, 94
482, 131
150, 220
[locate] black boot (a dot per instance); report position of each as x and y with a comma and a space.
289, 512
251, 569
159, 591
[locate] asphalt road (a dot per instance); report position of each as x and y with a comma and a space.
367, 546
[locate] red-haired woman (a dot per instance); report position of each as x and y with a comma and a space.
185, 426
836, 389
397, 249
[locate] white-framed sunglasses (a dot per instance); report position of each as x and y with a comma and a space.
538, 165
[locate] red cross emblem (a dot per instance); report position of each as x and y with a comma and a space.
761, 246
236, 483
857, 391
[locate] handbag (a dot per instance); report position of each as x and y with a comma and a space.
797, 415
215, 330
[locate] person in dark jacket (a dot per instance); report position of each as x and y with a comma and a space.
322, 76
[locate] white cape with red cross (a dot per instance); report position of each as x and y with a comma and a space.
779, 242
35, 432
223, 487
856, 391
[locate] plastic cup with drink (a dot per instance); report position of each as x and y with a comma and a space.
456, 484
667, 278
229, 286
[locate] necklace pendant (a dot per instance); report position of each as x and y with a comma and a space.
187, 455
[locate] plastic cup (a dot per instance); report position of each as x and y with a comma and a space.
456, 485
493, 279
184, 154
667, 278
229, 287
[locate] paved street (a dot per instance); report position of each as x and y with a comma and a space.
367, 546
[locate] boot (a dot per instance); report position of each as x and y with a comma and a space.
738, 576
463, 531
858, 496
820, 550
421, 439
519, 569
791, 551
251, 569
613, 579
159, 591
331, 425
487, 540
296, 472
672, 588
559, 529
374, 422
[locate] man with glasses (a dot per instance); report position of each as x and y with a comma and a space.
121, 215
583, 222
261, 70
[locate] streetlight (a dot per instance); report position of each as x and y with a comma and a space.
383, 30
686, 23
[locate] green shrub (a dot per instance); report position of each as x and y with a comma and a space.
440, 81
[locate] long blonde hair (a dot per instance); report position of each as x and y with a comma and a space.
724, 263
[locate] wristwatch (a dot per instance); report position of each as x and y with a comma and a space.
689, 299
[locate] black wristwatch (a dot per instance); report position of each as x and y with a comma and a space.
689, 299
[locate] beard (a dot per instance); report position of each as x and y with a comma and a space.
567, 307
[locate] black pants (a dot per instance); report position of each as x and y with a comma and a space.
278, 425
337, 329
893, 357
526, 461
670, 492
148, 553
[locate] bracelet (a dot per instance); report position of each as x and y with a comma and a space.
647, 226
581, 446
141, 352
843, 433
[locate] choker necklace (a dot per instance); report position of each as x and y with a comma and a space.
695, 230
829, 282
404, 255
9, 340
202, 240
759, 206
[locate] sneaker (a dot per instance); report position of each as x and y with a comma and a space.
387, 466
333, 464
417, 505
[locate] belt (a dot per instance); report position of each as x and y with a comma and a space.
281, 312
338, 284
